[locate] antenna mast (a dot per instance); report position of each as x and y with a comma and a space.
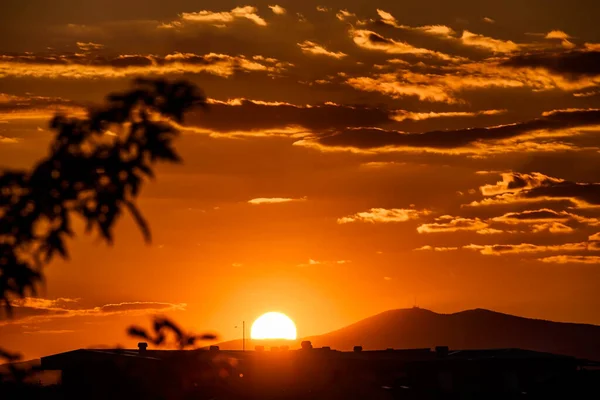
243, 335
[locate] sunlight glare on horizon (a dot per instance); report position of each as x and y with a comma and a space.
273, 325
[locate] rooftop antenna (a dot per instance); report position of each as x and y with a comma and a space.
243, 335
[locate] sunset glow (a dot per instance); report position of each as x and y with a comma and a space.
273, 325
353, 157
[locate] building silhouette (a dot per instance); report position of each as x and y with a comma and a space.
315, 373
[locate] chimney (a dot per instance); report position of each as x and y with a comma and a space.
142, 346
442, 351
358, 349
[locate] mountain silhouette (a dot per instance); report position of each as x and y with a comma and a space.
471, 329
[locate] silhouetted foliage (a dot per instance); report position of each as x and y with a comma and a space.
95, 170
162, 329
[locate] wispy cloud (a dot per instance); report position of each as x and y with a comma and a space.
438, 30
8, 140
488, 43
383, 215
448, 224
309, 47
571, 259
403, 115
278, 10
525, 248
44, 310
80, 66
343, 15
312, 263
373, 41
247, 12
274, 200
437, 249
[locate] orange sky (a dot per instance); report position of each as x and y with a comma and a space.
356, 157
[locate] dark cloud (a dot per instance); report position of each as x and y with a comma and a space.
370, 138
533, 188
242, 114
574, 63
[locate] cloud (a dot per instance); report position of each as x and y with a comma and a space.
514, 182
518, 188
247, 12
278, 10
488, 43
439, 30
592, 46
380, 164
402, 85
43, 310
343, 15
137, 306
437, 249
595, 237
90, 46
546, 220
525, 248
312, 263
447, 224
8, 140
569, 259
556, 34
448, 82
573, 63
403, 115
383, 215
87, 66
309, 47
273, 200
520, 136
36, 107
49, 332
240, 117
488, 20
372, 41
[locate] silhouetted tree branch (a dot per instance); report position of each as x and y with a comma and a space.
95, 170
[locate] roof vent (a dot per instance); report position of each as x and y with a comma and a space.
142, 346
306, 345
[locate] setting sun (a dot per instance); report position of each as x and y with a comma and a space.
273, 325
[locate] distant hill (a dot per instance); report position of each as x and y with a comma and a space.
472, 329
